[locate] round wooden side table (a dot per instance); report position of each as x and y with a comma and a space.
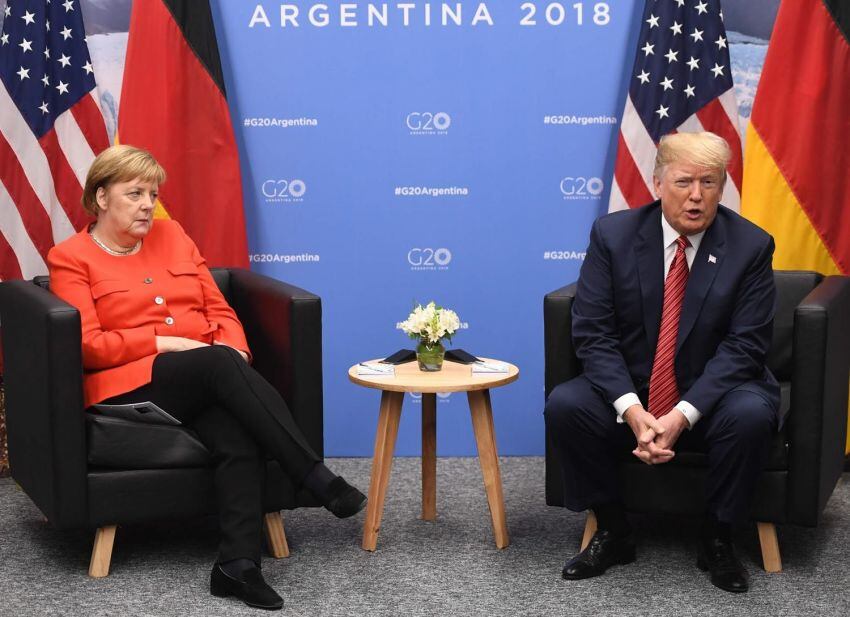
453, 377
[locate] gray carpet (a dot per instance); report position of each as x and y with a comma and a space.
450, 567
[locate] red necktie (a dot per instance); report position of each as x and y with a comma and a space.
663, 391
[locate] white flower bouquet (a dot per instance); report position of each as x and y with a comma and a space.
430, 324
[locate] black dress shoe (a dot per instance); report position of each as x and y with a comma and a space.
727, 572
249, 587
342, 499
605, 550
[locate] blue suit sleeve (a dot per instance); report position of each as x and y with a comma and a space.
595, 335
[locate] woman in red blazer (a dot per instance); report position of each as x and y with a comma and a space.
155, 327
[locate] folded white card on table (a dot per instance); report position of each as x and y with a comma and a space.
489, 367
372, 368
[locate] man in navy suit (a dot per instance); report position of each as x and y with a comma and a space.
672, 322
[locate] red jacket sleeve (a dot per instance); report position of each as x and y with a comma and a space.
218, 311
69, 279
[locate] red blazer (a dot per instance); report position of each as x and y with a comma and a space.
125, 302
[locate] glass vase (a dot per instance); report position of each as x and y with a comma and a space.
430, 356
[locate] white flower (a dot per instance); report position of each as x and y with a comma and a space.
430, 323
449, 321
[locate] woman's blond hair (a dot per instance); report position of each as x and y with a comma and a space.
119, 164
701, 149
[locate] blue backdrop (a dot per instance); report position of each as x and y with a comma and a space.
384, 164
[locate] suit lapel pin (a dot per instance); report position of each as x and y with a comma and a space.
712, 259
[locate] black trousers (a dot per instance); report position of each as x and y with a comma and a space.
242, 420
590, 446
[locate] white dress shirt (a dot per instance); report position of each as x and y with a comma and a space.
691, 413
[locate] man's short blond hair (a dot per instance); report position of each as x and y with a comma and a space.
701, 149
119, 164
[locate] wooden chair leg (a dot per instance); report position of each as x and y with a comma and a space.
275, 535
589, 529
101, 554
769, 547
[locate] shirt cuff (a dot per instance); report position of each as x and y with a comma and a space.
624, 402
690, 412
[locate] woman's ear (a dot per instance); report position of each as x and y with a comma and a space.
100, 197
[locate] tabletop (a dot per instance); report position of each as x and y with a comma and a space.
454, 377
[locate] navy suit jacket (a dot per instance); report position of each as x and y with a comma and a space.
726, 322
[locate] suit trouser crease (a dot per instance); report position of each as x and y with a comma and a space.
240, 417
590, 446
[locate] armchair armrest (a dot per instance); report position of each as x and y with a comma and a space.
561, 362
283, 324
818, 417
44, 400
561, 365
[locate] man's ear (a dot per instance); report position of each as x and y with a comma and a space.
656, 184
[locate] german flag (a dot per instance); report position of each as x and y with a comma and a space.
797, 163
173, 104
797, 160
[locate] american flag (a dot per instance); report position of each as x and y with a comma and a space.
681, 81
51, 127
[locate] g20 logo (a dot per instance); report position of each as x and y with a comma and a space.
429, 258
579, 187
283, 190
442, 397
428, 122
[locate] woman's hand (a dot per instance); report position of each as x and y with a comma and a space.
241, 353
177, 343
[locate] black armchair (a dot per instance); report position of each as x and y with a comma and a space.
810, 357
99, 472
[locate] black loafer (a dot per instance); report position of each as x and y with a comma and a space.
250, 588
605, 550
342, 499
727, 572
